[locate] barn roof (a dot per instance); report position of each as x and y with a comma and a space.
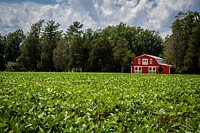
159, 60
149, 56
153, 56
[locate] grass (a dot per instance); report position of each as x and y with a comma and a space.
99, 102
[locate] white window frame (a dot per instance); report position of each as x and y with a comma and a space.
139, 61
151, 69
150, 62
137, 69
145, 61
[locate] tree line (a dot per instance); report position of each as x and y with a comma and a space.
111, 49
46, 48
182, 47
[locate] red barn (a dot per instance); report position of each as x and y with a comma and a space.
149, 64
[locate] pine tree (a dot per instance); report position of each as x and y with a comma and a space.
49, 40
30, 55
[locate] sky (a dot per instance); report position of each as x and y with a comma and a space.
155, 15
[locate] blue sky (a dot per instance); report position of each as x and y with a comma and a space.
36, 1
149, 14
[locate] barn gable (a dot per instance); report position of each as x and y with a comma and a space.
149, 64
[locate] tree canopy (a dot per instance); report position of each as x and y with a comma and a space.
182, 47
111, 49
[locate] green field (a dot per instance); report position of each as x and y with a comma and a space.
99, 102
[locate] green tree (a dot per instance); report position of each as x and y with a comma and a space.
101, 56
192, 58
2, 47
30, 55
139, 40
75, 29
151, 42
108, 49
123, 56
175, 47
181, 48
74, 34
12, 47
61, 55
168, 50
87, 47
49, 39
76, 53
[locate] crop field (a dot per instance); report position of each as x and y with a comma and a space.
99, 102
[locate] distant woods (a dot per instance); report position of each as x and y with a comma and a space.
182, 47
112, 49
46, 48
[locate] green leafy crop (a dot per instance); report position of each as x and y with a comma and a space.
99, 102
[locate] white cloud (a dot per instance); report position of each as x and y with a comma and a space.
59, 1
155, 14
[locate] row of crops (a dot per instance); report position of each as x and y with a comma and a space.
99, 102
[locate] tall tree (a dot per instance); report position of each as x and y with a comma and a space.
2, 47
192, 58
101, 56
12, 46
87, 47
76, 53
75, 29
74, 34
179, 47
151, 42
61, 55
123, 56
49, 39
31, 49
108, 49
175, 47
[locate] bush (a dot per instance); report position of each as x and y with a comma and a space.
14, 67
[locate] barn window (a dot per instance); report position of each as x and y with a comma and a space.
139, 61
152, 70
138, 69
144, 61
149, 68
150, 61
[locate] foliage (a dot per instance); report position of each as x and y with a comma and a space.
74, 33
30, 51
49, 40
74, 29
12, 45
46, 48
123, 56
14, 67
61, 55
192, 57
2, 58
99, 102
101, 56
181, 49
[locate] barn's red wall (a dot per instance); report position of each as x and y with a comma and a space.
132, 69
144, 69
154, 62
166, 68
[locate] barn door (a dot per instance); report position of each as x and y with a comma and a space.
152, 70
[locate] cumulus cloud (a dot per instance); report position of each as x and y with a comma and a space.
150, 14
